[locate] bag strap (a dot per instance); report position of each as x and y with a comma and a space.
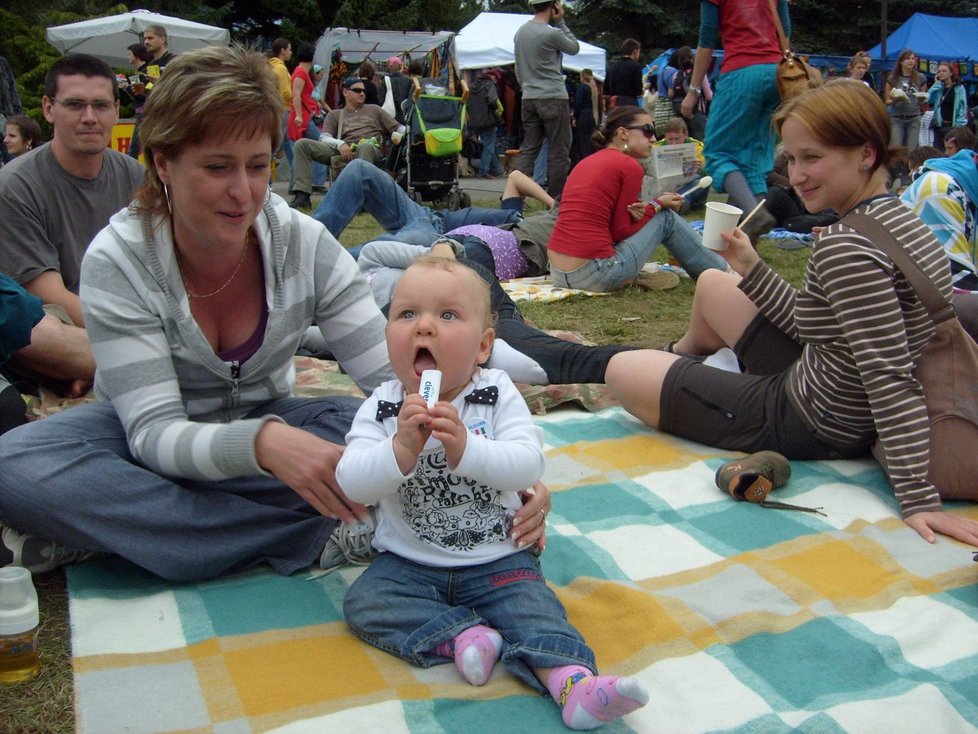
782, 38
937, 306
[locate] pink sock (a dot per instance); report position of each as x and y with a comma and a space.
587, 700
445, 649
476, 652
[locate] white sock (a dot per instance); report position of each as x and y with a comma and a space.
517, 365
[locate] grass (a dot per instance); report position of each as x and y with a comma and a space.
632, 316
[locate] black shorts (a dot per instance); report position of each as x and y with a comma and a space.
745, 412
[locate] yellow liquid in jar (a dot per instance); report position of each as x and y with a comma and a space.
18, 657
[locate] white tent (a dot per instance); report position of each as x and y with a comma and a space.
488, 41
107, 38
358, 44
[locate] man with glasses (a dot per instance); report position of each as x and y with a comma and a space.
355, 131
54, 199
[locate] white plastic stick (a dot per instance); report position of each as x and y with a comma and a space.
430, 386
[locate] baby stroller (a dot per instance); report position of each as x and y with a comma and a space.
435, 121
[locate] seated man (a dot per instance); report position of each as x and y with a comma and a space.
38, 344
355, 131
945, 196
56, 198
675, 132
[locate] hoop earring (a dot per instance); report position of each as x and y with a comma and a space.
166, 195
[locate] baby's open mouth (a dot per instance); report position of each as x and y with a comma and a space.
424, 360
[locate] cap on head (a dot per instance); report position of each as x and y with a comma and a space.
348, 83
316, 68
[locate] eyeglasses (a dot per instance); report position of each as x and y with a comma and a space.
648, 129
78, 106
358, 90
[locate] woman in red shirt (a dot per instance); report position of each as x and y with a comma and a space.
604, 232
303, 104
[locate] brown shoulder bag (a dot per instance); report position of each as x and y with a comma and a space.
794, 75
947, 372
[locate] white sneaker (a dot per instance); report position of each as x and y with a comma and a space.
349, 543
37, 555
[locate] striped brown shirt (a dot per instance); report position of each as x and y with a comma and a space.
862, 329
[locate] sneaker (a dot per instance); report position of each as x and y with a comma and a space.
301, 200
753, 477
36, 555
658, 280
349, 543
760, 223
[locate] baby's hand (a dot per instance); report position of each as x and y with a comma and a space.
413, 430
447, 427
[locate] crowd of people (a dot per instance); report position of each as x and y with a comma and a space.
178, 290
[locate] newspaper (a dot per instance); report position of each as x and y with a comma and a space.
668, 168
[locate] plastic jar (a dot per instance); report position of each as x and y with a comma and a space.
19, 620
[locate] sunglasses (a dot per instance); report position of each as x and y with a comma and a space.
648, 129
358, 90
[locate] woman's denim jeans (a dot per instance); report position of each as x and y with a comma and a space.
611, 274
71, 478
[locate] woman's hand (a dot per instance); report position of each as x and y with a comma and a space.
928, 524
740, 253
671, 201
530, 523
307, 464
689, 102
637, 210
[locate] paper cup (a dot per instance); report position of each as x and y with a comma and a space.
719, 218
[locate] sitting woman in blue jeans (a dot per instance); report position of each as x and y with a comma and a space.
605, 233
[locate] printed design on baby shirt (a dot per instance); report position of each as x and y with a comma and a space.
451, 511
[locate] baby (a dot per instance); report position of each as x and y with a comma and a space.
449, 582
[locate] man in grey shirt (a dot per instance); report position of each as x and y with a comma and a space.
56, 198
540, 45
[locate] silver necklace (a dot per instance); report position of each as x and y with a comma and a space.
186, 285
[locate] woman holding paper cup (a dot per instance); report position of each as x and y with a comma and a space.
829, 365
605, 233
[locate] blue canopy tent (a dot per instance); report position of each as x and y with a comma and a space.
934, 38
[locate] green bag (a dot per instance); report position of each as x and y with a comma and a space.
442, 141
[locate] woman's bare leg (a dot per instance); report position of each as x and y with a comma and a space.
519, 184
719, 316
636, 378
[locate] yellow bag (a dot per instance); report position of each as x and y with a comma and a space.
443, 141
